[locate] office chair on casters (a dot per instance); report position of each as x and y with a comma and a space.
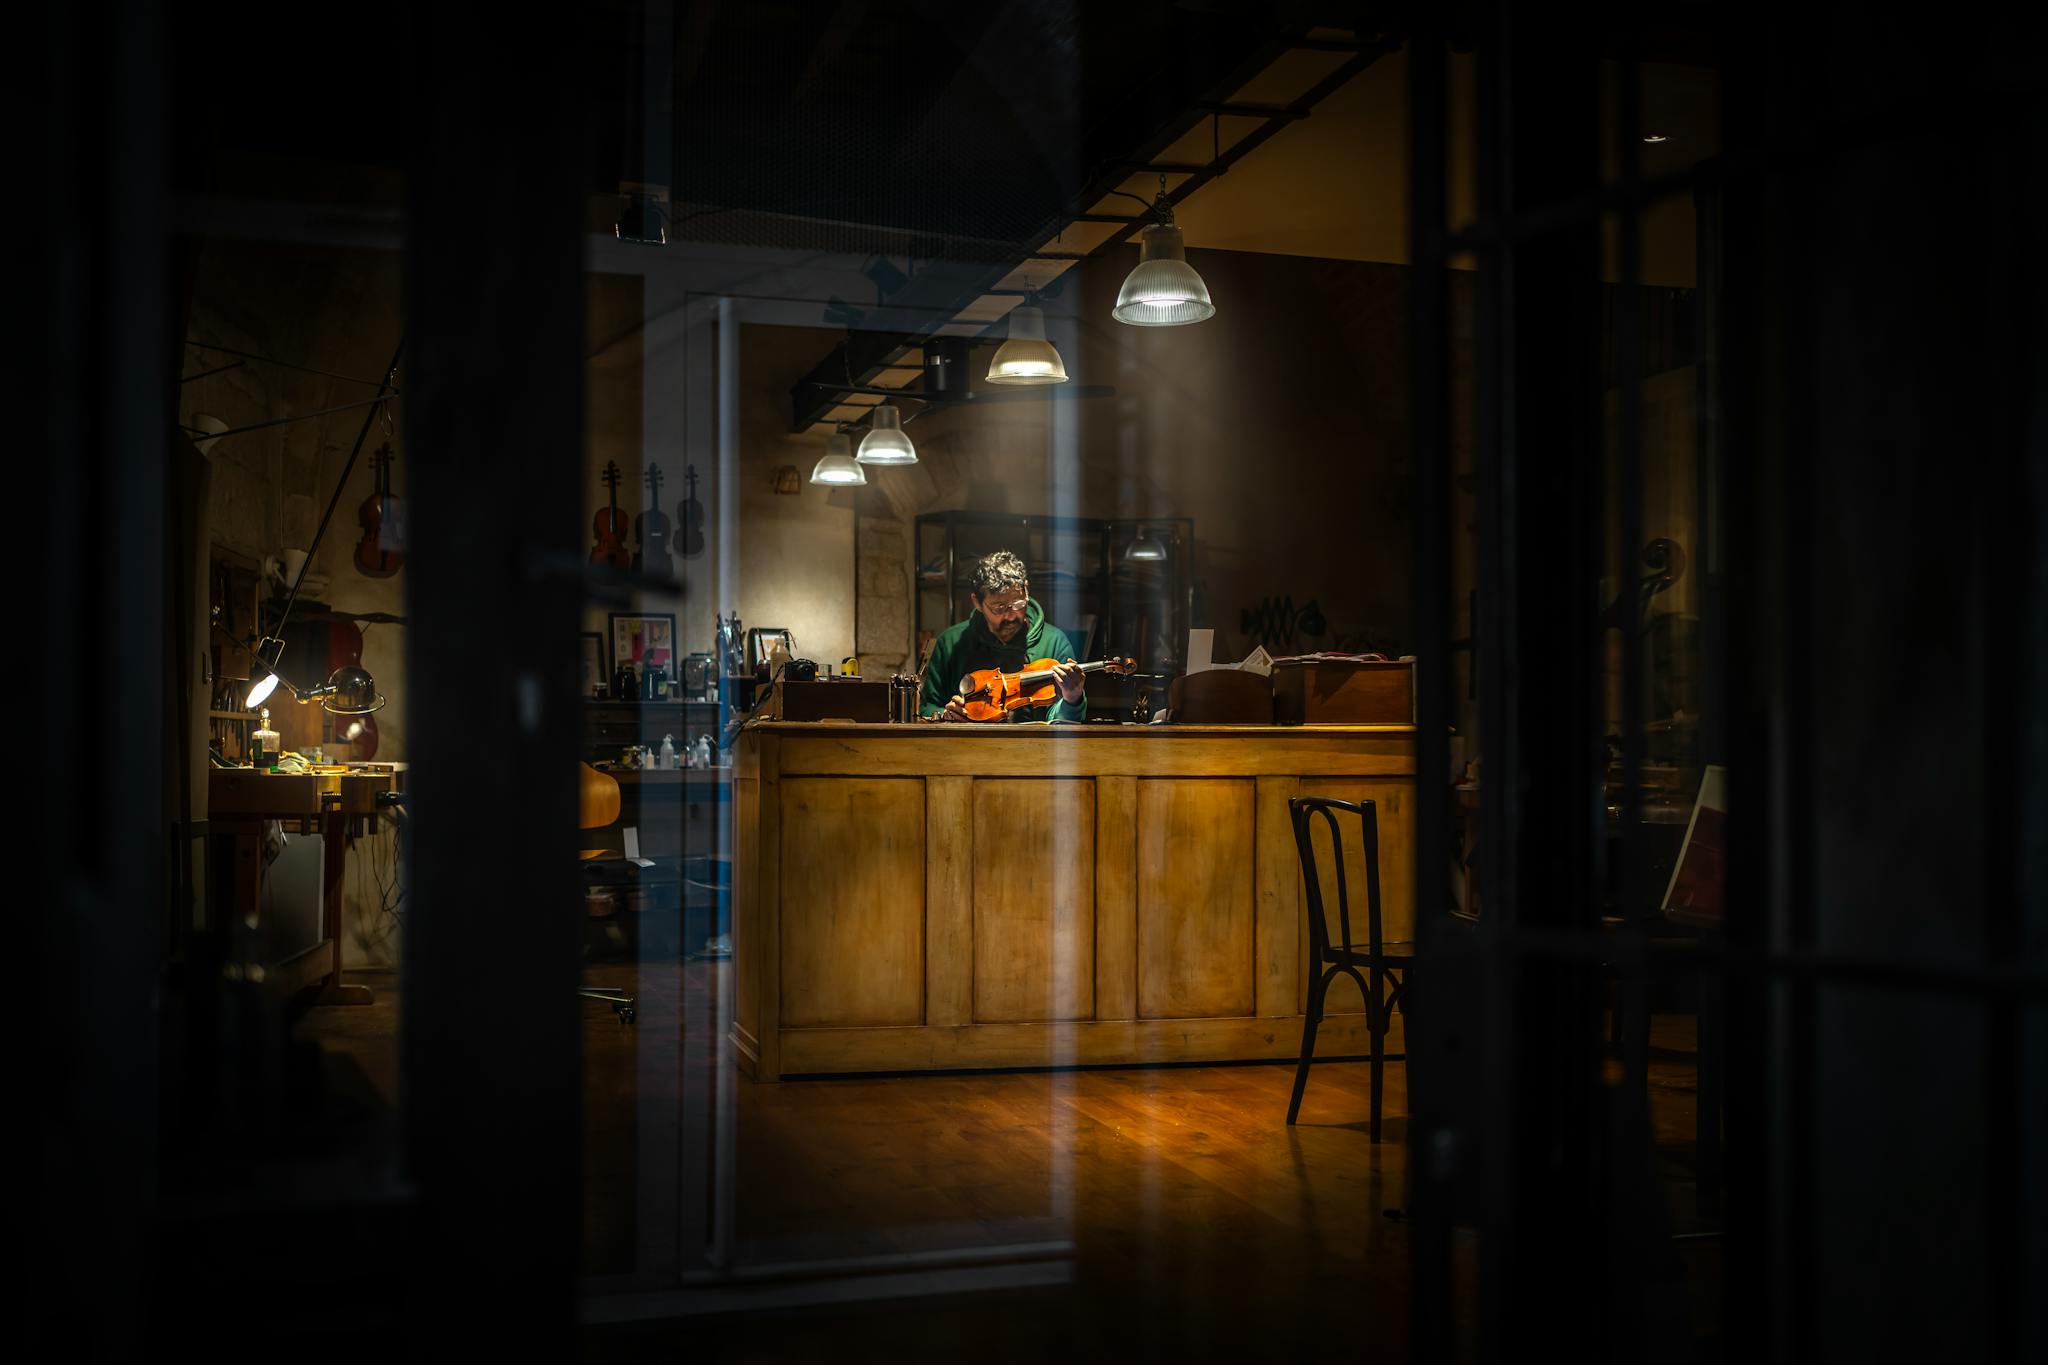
597, 805
1384, 982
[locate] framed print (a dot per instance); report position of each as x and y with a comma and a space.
597, 679
643, 638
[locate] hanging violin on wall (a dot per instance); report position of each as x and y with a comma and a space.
381, 551
609, 526
690, 516
652, 529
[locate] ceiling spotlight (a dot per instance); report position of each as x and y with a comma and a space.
1164, 290
1656, 137
1144, 549
1027, 357
838, 465
885, 442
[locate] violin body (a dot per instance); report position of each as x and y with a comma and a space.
381, 551
652, 530
991, 694
609, 526
690, 516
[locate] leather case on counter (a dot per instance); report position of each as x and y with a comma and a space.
1344, 692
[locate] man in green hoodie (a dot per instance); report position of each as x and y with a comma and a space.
1008, 630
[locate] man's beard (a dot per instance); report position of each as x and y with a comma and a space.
1008, 629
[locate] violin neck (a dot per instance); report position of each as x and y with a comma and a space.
1045, 674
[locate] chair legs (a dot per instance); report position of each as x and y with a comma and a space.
1378, 1022
1309, 1021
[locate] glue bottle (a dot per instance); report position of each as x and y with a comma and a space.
263, 743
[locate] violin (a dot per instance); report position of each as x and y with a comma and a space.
381, 551
652, 529
610, 527
991, 694
690, 516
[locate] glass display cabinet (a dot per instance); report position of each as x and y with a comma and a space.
1119, 588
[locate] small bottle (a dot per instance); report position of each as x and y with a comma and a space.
668, 753
264, 747
703, 751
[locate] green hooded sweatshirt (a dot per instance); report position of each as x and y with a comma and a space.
968, 646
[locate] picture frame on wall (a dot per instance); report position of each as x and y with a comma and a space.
596, 676
637, 636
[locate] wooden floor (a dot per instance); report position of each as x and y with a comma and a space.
1197, 1224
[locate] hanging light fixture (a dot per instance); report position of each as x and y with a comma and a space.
885, 442
838, 465
1144, 549
1164, 290
1027, 357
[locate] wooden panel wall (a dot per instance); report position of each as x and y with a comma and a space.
1195, 906
853, 874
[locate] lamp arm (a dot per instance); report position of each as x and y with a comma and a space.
384, 392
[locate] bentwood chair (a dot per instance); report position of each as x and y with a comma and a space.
1380, 968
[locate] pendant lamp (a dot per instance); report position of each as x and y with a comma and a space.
1164, 290
1027, 357
838, 465
1144, 549
885, 442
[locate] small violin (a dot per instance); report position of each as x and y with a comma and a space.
991, 694
381, 551
690, 516
610, 527
652, 556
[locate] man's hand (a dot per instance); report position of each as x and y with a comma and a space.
1072, 682
956, 709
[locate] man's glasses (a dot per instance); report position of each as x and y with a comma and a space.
1015, 608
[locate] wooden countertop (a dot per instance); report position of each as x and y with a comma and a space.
1063, 730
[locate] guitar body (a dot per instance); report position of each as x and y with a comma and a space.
381, 551
690, 517
609, 527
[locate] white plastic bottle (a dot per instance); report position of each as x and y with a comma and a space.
668, 753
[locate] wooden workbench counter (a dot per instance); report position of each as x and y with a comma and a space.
918, 897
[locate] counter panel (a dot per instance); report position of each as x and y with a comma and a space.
1033, 899
916, 897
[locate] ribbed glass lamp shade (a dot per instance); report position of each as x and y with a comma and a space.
1145, 549
838, 465
1164, 291
885, 442
1027, 357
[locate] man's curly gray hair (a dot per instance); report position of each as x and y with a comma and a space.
997, 571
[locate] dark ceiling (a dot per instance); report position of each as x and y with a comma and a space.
960, 123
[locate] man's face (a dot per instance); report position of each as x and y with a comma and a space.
1003, 611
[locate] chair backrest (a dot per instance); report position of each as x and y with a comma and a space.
1303, 810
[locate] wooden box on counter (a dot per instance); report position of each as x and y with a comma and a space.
1344, 692
851, 699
